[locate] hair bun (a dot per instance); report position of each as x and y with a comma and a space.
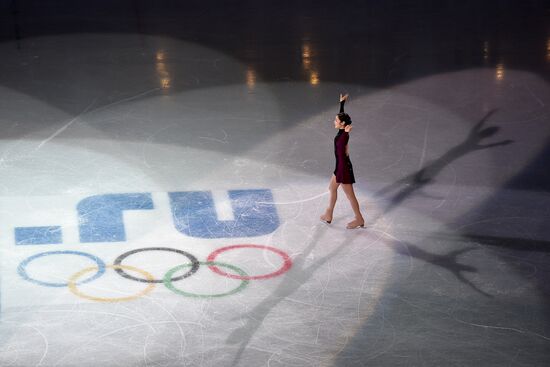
344, 117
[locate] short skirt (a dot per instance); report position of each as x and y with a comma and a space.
344, 171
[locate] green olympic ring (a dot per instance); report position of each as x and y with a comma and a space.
168, 280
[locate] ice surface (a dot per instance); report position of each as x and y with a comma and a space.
141, 142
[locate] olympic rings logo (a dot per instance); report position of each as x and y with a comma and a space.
145, 277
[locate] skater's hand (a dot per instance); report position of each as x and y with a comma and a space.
348, 128
343, 97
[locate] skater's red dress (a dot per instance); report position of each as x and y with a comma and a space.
343, 170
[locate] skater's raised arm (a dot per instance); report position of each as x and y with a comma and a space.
343, 98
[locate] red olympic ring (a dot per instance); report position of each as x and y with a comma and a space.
286, 265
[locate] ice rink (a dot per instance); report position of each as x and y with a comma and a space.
164, 166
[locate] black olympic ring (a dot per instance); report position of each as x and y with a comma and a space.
194, 264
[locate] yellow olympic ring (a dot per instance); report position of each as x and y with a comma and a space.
72, 284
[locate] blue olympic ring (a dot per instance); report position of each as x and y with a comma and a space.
23, 273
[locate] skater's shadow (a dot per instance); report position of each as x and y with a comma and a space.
298, 275
416, 181
447, 261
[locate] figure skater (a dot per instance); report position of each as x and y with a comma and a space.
343, 173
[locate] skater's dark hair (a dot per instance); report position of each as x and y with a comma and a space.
344, 117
